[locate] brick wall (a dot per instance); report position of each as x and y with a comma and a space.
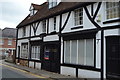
5, 45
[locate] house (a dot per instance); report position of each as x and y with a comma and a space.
8, 42
81, 39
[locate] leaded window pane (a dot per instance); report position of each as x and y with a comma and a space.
112, 9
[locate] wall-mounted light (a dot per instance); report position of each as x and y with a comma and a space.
98, 18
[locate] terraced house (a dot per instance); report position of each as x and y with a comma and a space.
80, 39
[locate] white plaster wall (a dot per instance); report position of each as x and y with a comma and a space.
20, 33
102, 13
111, 32
68, 71
22, 41
19, 44
27, 31
51, 29
38, 65
32, 31
88, 74
36, 38
87, 24
61, 51
70, 23
39, 29
31, 64
98, 50
51, 38
51, 24
57, 23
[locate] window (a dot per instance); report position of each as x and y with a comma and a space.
112, 10
80, 52
67, 52
9, 41
24, 51
52, 3
44, 26
24, 31
1, 42
54, 23
78, 16
35, 52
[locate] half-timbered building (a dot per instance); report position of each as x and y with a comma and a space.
81, 39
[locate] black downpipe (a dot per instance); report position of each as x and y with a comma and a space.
102, 54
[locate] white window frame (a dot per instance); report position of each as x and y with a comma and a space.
106, 14
52, 3
77, 17
24, 51
34, 52
85, 53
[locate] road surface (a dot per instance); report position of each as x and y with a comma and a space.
12, 73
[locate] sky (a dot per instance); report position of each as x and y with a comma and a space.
12, 12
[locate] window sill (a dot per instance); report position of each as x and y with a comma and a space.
78, 27
111, 21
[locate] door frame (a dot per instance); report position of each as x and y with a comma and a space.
59, 54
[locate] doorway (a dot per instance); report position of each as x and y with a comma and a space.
51, 58
113, 56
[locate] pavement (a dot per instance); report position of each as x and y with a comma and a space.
39, 72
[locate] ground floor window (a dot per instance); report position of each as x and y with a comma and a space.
24, 51
80, 52
35, 53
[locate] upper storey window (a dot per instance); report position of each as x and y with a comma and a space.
52, 3
44, 26
24, 31
78, 16
112, 10
54, 23
34, 8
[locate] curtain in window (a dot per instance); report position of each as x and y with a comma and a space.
35, 53
80, 52
24, 51
67, 52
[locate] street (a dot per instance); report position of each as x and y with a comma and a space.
12, 73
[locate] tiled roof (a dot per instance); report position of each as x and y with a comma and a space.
36, 6
9, 32
44, 12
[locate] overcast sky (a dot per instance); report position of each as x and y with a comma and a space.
12, 12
